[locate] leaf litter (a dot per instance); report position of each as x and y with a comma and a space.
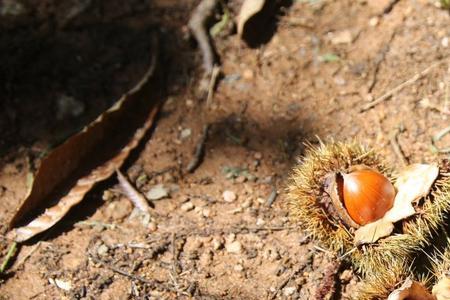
85, 158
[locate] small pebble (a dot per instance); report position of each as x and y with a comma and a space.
260, 222
206, 212
445, 42
374, 21
185, 133
187, 206
152, 226
238, 268
157, 192
258, 155
289, 291
229, 196
216, 244
102, 250
241, 179
247, 74
189, 103
247, 203
234, 247
261, 200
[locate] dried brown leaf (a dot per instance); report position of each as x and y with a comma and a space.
414, 182
249, 9
86, 158
372, 232
442, 289
411, 290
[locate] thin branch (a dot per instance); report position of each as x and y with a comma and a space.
199, 151
399, 87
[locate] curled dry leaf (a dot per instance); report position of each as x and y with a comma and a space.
414, 182
411, 290
249, 9
87, 157
442, 289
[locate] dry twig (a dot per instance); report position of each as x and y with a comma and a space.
117, 270
399, 87
197, 24
199, 151
135, 196
299, 267
397, 149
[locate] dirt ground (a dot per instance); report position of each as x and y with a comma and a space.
320, 65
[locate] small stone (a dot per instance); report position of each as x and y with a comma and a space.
445, 42
247, 203
241, 179
157, 192
289, 291
229, 196
341, 37
64, 285
374, 21
216, 243
206, 212
234, 247
247, 74
187, 206
67, 106
260, 222
238, 268
261, 200
258, 155
152, 226
102, 250
189, 103
185, 133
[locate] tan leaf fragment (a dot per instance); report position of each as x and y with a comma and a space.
249, 9
83, 160
372, 232
414, 182
411, 290
442, 289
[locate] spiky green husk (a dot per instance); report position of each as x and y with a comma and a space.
377, 286
441, 262
306, 185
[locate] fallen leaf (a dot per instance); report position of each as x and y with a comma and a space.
86, 158
442, 289
249, 9
411, 290
414, 182
372, 232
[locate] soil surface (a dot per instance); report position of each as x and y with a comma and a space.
222, 231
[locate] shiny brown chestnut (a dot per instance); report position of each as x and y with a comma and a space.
367, 195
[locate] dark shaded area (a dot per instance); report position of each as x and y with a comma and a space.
260, 28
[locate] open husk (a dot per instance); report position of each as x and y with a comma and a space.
307, 206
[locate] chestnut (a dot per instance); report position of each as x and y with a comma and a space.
367, 195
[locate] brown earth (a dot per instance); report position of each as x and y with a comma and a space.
321, 63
